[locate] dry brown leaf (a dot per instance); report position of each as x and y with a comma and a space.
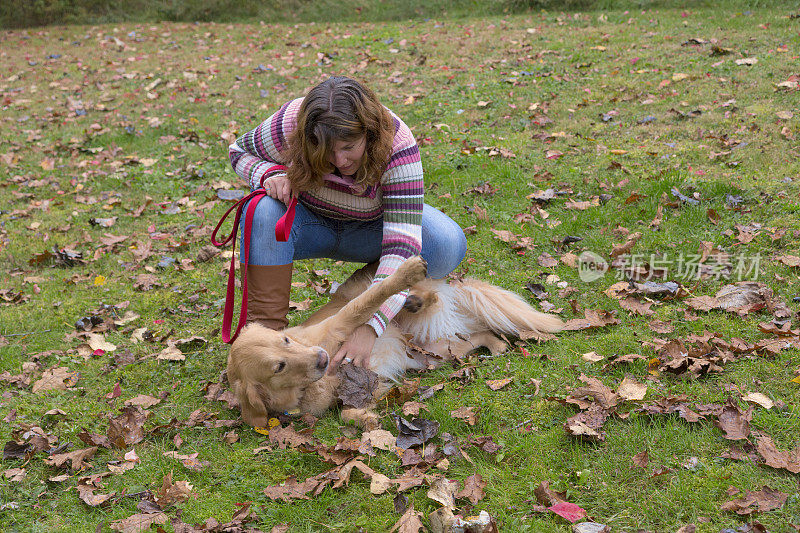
624, 248
287, 436
734, 423
77, 458
587, 424
759, 399
630, 389
444, 491
466, 413
788, 460
14, 475
592, 357
138, 523
127, 429
497, 384
87, 495
411, 408
380, 438
547, 496
595, 388
379, 484
641, 459
190, 461
56, 379
637, 306
765, 499
410, 522
473, 489
171, 493
143, 400
789, 260
702, 303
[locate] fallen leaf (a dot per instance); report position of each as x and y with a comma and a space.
415, 432
143, 400
465, 413
733, 422
759, 399
87, 495
288, 437
190, 461
568, 511
444, 491
641, 459
98, 342
357, 385
410, 522
765, 499
587, 424
637, 306
473, 489
56, 379
788, 460
547, 496
497, 384
630, 389
592, 357
127, 429
379, 438
138, 523
379, 484
14, 475
171, 493
77, 458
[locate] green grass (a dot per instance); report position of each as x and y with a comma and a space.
93, 169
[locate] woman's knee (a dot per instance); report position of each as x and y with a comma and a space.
444, 244
266, 215
264, 249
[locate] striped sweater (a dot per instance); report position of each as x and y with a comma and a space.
398, 197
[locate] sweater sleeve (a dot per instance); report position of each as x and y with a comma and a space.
260, 148
402, 188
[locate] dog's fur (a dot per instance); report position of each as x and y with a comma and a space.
285, 370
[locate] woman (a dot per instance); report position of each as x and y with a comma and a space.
355, 169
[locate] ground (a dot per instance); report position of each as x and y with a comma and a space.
664, 142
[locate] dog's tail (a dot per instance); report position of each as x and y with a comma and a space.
503, 311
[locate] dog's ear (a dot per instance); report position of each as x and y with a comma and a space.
254, 412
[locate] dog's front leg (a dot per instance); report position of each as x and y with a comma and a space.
359, 310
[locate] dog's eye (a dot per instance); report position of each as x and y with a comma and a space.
280, 368
286, 340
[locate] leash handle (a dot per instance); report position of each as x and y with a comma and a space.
285, 222
283, 228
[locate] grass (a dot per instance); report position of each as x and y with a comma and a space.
61, 168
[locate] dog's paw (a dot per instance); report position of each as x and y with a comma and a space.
413, 303
413, 269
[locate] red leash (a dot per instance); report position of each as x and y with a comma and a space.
282, 230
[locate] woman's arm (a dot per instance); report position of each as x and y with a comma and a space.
260, 148
402, 218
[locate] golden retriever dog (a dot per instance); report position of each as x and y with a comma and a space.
278, 371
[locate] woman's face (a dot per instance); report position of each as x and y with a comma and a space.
347, 155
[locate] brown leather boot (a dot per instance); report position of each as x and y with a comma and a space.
268, 288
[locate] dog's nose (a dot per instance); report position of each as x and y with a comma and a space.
322, 359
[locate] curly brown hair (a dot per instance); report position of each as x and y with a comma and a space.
338, 109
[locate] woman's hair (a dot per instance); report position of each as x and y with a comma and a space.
338, 109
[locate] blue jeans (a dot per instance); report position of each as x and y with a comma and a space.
443, 242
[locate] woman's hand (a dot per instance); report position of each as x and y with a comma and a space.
279, 187
357, 349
